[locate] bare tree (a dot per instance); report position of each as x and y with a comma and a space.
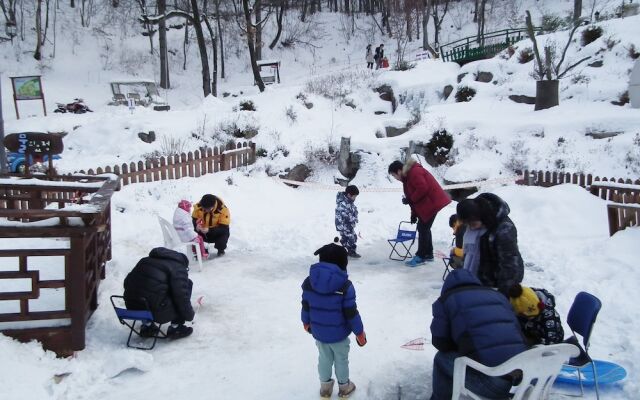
217, 4
550, 69
162, 45
250, 30
481, 20
9, 10
149, 27
440, 8
86, 11
196, 20
577, 10
282, 6
37, 53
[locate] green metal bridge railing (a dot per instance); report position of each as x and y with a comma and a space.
488, 45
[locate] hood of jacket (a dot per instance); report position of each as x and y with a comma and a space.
499, 208
163, 252
458, 278
407, 166
327, 277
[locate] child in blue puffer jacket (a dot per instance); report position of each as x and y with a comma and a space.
330, 314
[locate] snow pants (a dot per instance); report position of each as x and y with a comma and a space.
333, 354
218, 235
348, 239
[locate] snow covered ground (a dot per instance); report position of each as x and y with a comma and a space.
248, 342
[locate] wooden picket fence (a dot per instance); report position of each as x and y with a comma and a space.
624, 194
192, 164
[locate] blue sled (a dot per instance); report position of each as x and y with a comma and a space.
608, 372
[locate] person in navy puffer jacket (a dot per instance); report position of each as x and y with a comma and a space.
330, 314
474, 321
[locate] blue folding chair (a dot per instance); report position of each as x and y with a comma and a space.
581, 318
130, 318
402, 237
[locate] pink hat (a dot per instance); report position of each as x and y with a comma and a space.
185, 205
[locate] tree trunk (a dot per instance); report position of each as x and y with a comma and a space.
184, 46
220, 38
250, 41
258, 11
162, 44
546, 94
214, 48
481, 19
475, 11
577, 10
72, 4
46, 23
279, 25
36, 53
426, 14
115, 3
303, 13
202, 46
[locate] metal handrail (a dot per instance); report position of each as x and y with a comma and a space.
474, 39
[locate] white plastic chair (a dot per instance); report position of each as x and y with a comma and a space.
172, 241
539, 365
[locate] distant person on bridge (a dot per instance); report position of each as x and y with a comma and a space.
369, 57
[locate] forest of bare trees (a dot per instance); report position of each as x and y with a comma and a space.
212, 23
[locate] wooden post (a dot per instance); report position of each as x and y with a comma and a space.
75, 292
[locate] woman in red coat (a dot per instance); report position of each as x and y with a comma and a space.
425, 197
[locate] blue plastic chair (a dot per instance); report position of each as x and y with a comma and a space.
130, 318
581, 318
402, 238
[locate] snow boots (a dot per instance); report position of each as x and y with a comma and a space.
353, 254
346, 389
326, 389
178, 332
149, 330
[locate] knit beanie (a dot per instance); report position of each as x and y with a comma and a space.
469, 210
333, 253
185, 205
527, 303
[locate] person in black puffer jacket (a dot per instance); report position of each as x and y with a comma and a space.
162, 280
499, 263
477, 322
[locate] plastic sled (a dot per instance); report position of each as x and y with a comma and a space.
608, 372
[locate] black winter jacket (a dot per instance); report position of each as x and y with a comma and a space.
162, 279
501, 264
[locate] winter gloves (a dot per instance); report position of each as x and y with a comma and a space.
414, 219
307, 327
361, 339
406, 201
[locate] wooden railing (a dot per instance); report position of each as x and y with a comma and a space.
53, 255
623, 212
193, 164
